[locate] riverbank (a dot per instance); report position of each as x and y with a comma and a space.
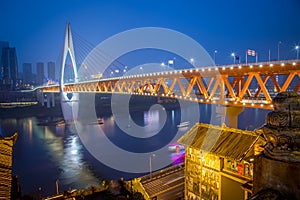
30, 111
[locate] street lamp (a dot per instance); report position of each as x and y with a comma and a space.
297, 49
215, 52
150, 164
192, 61
233, 55
278, 49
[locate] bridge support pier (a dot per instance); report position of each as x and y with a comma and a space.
50, 100
230, 114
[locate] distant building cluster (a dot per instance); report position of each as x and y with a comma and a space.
11, 79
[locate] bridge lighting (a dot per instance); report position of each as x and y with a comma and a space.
223, 68
260, 65
226, 102
261, 105
208, 69
231, 67
201, 100
271, 65
185, 71
203, 69
282, 64
162, 64
192, 60
294, 63
240, 66
216, 69
252, 104
191, 70
244, 104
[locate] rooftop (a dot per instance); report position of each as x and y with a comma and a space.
230, 143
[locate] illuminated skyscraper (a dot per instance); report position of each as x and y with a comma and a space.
9, 68
3, 44
40, 73
27, 73
51, 71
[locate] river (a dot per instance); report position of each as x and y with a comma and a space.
44, 154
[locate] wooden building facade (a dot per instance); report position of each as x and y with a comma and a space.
6, 151
219, 161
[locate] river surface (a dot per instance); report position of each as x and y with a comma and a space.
44, 154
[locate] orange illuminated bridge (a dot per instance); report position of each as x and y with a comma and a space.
246, 85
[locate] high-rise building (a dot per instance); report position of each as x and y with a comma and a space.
3, 44
9, 68
27, 73
40, 73
51, 71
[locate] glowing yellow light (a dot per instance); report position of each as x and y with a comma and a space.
251, 66
223, 68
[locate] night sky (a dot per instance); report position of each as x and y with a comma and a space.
36, 28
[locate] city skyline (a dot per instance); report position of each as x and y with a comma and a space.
36, 29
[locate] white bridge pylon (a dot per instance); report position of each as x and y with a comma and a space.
69, 101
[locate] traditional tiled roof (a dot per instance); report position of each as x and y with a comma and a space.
222, 141
6, 145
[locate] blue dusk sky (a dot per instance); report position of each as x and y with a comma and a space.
36, 27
